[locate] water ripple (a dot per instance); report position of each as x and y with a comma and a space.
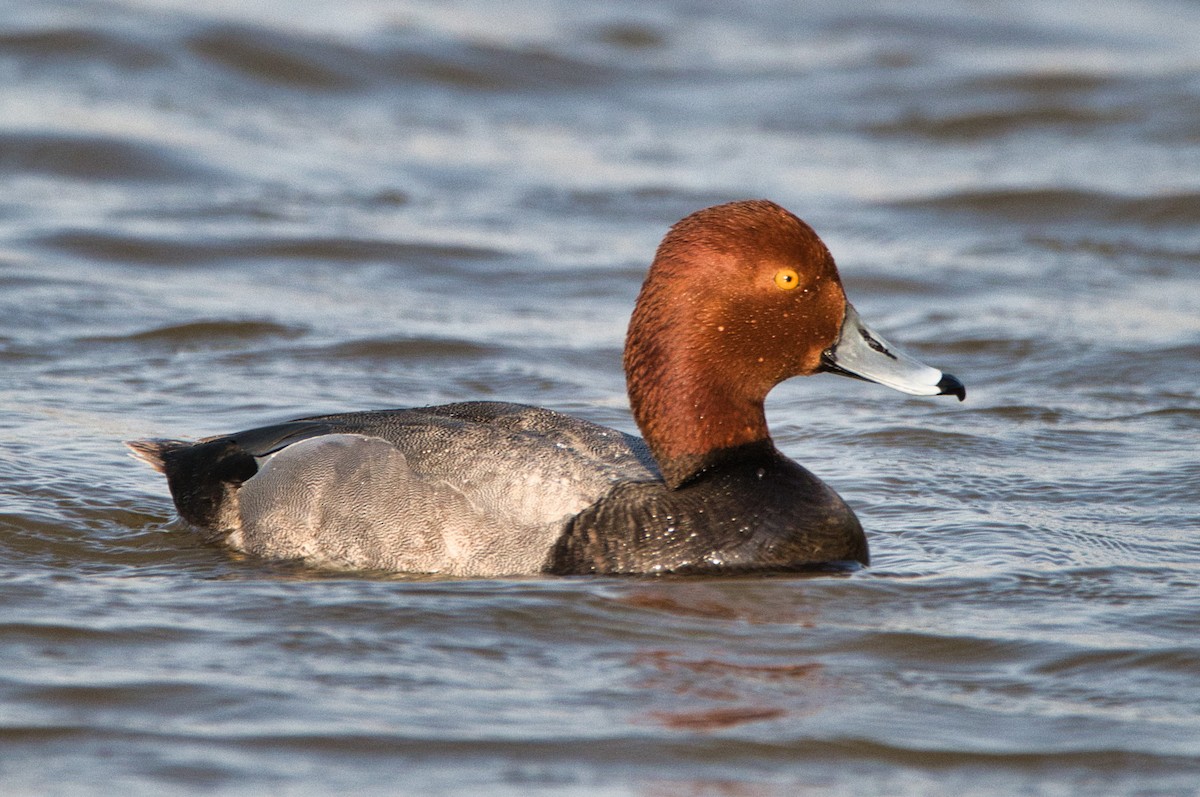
205, 334
217, 216
99, 158
70, 46
1055, 205
276, 58
113, 246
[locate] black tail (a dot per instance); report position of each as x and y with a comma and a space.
154, 452
203, 477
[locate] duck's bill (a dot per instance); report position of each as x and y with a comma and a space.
863, 354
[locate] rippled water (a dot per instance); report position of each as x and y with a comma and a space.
215, 216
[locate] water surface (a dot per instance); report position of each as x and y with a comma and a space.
214, 218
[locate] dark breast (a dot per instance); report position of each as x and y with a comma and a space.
755, 512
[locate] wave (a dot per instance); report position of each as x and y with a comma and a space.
160, 251
97, 158
216, 330
1064, 205
71, 45
326, 65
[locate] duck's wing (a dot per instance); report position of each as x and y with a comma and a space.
472, 488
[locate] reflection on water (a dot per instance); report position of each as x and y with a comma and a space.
216, 217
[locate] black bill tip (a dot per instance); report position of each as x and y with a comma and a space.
950, 385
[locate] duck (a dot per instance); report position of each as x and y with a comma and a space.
739, 297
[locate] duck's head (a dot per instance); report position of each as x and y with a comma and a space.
740, 297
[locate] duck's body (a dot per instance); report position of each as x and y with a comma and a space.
414, 490
478, 488
740, 297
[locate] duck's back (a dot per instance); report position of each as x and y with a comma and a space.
477, 488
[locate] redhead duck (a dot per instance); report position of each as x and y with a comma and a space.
740, 297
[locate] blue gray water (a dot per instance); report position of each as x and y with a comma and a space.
214, 216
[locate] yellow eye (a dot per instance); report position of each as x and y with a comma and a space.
786, 279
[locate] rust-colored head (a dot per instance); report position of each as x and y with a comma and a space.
739, 297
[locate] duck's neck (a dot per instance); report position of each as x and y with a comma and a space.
691, 415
